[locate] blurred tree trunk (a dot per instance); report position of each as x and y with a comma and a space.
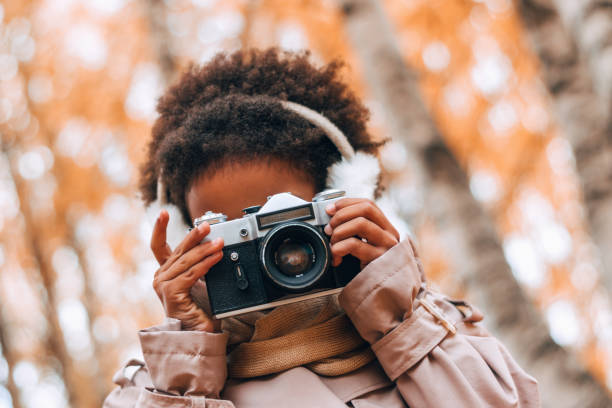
55, 339
246, 36
466, 231
580, 113
95, 390
104, 367
84, 389
160, 37
10, 362
161, 40
590, 22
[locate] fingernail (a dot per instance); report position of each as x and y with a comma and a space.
328, 229
202, 226
331, 208
217, 241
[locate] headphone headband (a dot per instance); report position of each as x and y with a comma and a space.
333, 133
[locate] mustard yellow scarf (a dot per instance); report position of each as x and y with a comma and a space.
315, 333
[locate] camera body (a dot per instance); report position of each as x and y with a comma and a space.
274, 255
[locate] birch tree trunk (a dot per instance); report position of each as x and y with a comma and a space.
583, 119
466, 231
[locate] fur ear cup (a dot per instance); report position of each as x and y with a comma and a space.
389, 207
357, 176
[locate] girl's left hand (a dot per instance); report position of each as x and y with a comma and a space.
358, 227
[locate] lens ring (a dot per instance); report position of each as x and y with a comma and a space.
294, 257
305, 232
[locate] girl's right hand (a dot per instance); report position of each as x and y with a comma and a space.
180, 270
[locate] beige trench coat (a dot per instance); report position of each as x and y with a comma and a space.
431, 352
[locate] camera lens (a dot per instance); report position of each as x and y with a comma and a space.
294, 255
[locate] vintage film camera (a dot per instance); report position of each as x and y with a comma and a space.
274, 255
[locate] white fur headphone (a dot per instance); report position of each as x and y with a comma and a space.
356, 173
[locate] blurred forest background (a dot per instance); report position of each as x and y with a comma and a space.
500, 115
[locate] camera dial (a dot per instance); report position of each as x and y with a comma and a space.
251, 210
328, 195
211, 218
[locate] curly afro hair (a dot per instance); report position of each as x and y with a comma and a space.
229, 108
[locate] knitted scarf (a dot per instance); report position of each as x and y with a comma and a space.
315, 333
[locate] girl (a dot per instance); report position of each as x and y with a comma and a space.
256, 123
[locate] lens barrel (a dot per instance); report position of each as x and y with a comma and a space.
294, 255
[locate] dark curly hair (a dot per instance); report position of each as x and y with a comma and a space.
229, 108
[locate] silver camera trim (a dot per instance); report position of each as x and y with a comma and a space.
281, 302
246, 229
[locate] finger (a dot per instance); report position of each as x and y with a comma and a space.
190, 258
341, 203
191, 276
176, 291
159, 246
345, 202
193, 238
363, 228
177, 288
353, 208
356, 247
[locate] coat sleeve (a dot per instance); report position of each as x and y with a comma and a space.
437, 354
181, 369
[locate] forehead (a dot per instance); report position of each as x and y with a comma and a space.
236, 185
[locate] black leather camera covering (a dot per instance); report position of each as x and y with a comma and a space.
224, 292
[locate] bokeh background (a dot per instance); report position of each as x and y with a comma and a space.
78, 87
